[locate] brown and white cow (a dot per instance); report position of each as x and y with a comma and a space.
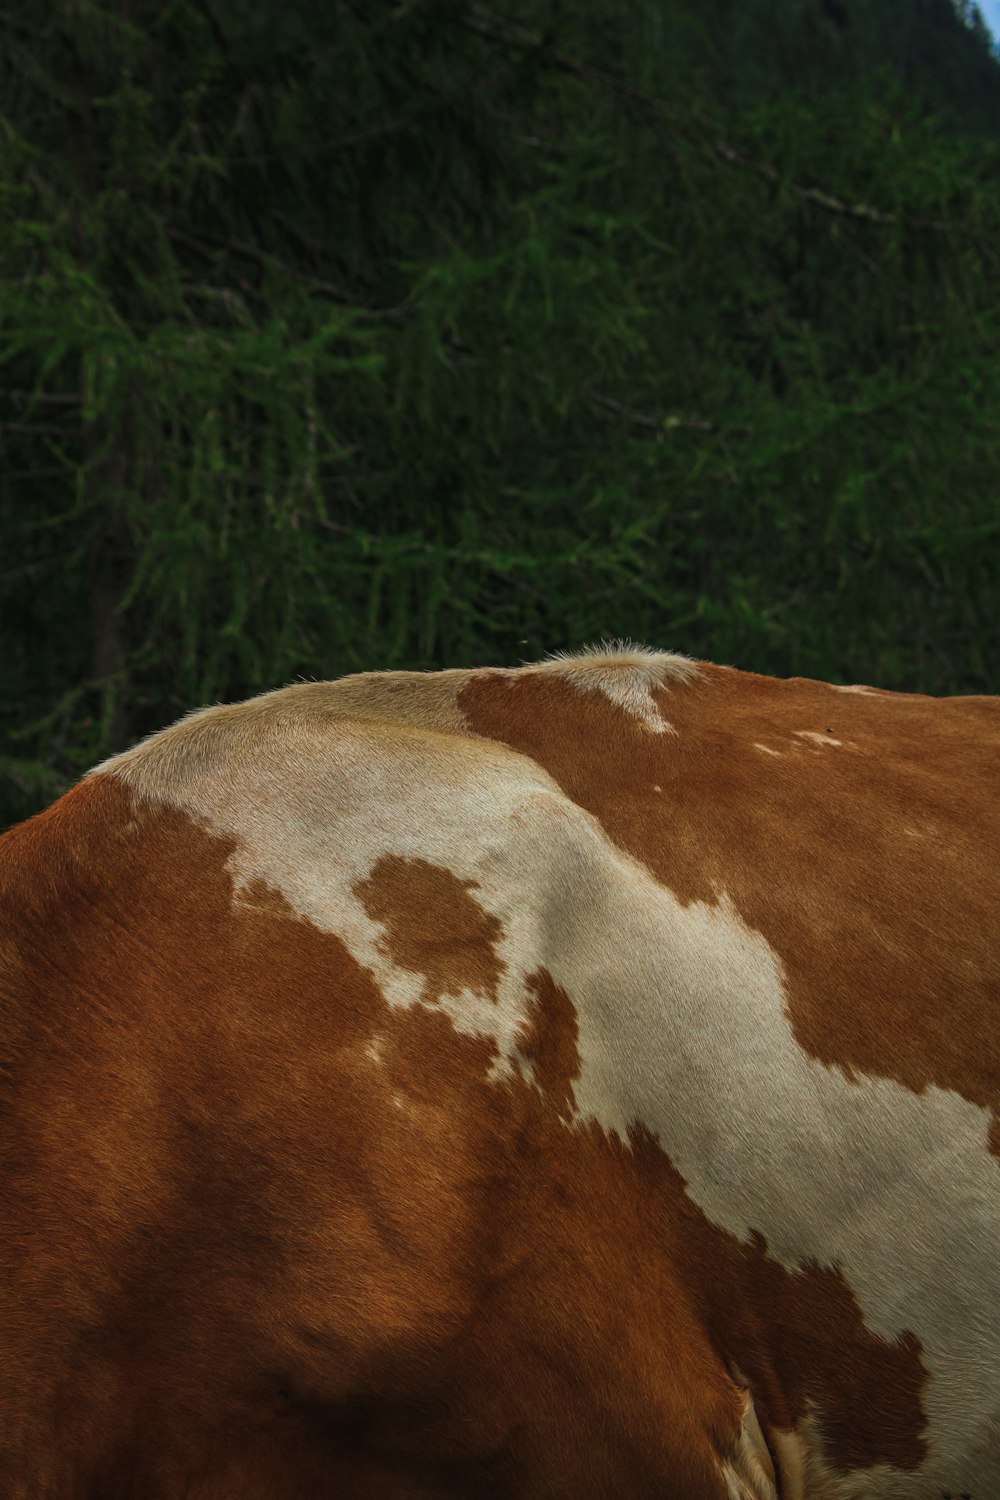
568, 1083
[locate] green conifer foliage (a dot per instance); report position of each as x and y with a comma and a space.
372, 335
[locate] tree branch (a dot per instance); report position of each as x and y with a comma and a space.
668, 423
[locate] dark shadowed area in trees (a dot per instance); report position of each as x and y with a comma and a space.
362, 335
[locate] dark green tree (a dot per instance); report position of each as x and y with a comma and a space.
410, 335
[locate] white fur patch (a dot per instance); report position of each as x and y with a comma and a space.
626, 674
749, 1472
815, 738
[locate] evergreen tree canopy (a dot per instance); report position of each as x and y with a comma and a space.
372, 335
939, 51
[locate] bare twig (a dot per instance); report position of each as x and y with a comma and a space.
499, 29
671, 422
821, 199
218, 35
264, 258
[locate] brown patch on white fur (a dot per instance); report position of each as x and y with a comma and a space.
549, 1041
433, 926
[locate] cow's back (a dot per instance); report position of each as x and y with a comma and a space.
519, 1083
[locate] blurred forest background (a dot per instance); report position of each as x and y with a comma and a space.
361, 335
